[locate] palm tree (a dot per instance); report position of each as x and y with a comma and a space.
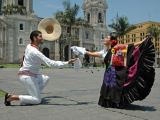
68, 18
13, 9
80, 21
1, 1
122, 27
154, 32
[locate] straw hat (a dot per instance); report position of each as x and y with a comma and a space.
50, 28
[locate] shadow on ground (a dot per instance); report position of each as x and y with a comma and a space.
46, 101
138, 107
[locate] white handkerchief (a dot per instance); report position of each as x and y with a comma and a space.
77, 65
79, 50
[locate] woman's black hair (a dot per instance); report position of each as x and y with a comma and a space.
34, 33
113, 38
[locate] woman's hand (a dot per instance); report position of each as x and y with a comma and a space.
72, 60
138, 43
145, 38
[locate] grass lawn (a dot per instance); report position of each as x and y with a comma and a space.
5, 65
10, 65
2, 94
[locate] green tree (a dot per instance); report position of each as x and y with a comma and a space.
1, 1
13, 9
68, 18
122, 27
80, 21
154, 32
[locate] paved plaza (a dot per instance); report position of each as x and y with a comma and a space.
73, 96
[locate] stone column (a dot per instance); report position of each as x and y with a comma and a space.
56, 51
80, 42
7, 45
5, 54
3, 44
1, 41
104, 17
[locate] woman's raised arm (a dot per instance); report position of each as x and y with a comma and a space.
138, 43
94, 54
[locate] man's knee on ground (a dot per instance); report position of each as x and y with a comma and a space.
37, 100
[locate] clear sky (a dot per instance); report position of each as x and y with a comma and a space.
137, 11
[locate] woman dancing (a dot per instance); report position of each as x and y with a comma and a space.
133, 81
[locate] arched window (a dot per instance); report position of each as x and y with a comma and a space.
88, 17
20, 2
68, 29
86, 35
21, 26
21, 41
46, 52
100, 18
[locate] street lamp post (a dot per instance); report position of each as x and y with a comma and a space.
94, 49
61, 41
158, 57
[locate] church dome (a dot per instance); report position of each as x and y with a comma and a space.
94, 3
33, 15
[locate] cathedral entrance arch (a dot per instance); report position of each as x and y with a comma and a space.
87, 59
66, 53
46, 52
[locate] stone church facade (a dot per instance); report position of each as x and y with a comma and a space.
15, 31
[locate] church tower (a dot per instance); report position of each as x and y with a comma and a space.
95, 11
95, 14
18, 36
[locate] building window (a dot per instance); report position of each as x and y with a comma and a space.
141, 26
99, 18
68, 29
102, 36
21, 26
126, 36
21, 41
134, 40
143, 34
102, 47
126, 41
20, 2
140, 34
86, 35
134, 35
88, 17
141, 39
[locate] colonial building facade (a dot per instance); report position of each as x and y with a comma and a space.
15, 30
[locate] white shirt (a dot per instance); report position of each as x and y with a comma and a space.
103, 53
34, 58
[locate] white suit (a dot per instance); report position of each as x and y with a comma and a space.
29, 76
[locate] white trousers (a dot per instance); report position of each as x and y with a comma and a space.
34, 87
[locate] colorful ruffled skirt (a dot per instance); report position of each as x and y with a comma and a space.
123, 86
